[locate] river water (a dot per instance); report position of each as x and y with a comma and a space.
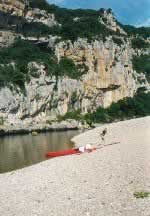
24, 150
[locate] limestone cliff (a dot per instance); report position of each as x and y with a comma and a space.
109, 79
110, 76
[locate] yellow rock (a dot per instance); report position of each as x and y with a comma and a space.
34, 133
16, 7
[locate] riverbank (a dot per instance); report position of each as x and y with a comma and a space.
96, 184
40, 127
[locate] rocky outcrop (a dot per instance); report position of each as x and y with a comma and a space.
41, 16
109, 21
21, 8
13, 7
6, 38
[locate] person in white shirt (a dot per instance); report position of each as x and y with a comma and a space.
87, 148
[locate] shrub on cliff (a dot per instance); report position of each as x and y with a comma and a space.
11, 74
139, 43
118, 41
142, 65
71, 115
67, 67
35, 29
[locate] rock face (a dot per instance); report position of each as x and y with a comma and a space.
18, 8
110, 76
14, 7
109, 79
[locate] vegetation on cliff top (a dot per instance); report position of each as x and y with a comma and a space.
83, 23
64, 15
70, 28
85, 16
135, 31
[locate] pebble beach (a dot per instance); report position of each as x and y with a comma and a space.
100, 183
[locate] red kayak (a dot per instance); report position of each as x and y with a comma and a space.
63, 153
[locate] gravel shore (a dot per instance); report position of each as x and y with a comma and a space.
101, 183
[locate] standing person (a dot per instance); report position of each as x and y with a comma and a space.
103, 134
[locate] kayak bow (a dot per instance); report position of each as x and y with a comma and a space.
63, 153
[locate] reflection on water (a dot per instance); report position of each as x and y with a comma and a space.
24, 150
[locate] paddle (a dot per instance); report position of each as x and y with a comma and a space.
115, 143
